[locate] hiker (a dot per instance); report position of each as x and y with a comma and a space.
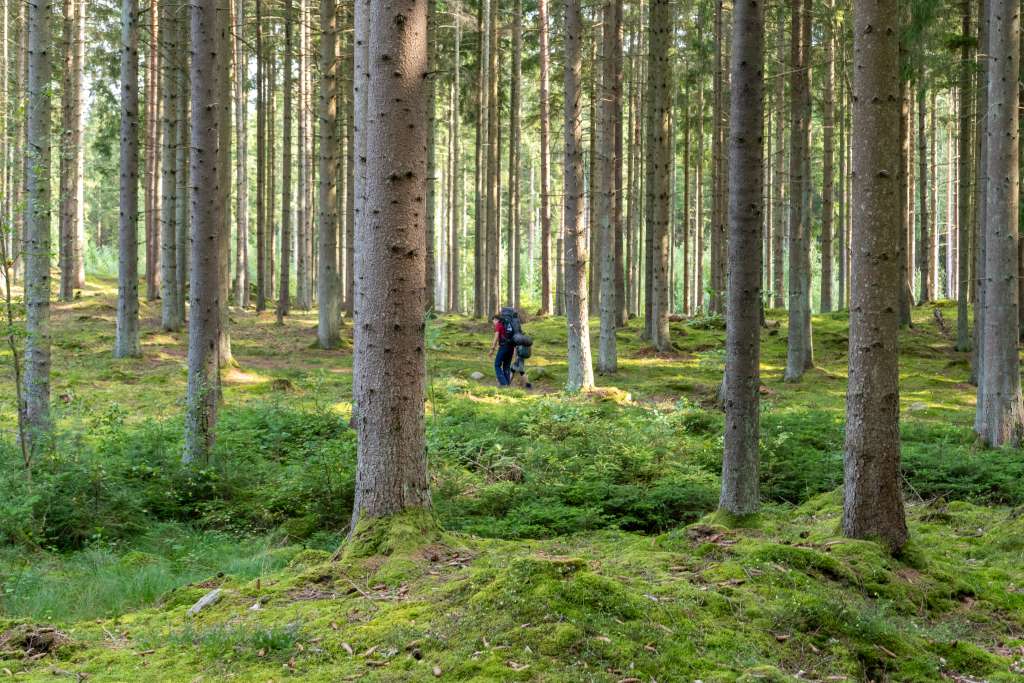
503, 348
510, 343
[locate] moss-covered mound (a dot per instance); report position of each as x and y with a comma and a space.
787, 600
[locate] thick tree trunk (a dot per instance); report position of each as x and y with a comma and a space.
170, 309
241, 158
828, 162
36, 395
284, 301
208, 224
964, 148
739, 495
546, 298
389, 367
799, 357
126, 343
873, 500
1003, 411
606, 198
581, 371
328, 282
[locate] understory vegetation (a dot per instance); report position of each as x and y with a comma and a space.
579, 541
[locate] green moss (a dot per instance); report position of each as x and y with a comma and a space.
397, 534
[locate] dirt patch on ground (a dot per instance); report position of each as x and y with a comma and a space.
31, 642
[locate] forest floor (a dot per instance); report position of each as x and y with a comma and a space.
578, 541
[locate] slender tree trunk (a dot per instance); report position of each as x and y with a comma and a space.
36, 395
619, 281
126, 343
581, 371
261, 164
980, 209
208, 224
71, 133
455, 260
739, 495
799, 356
183, 135
841, 228
514, 161
828, 163
480, 177
659, 154
224, 180
283, 303
1003, 411
152, 157
170, 309
302, 294
779, 212
924, 180
328, 282
241, 158
432, 171
605, 200
906, 196
873, 499
546, 298
718, 141
492, 284
390, 365
351, 104
964, 147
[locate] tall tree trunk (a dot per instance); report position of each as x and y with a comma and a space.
514, 161
328, 282
964, 147
779, 188
71, 136
432, 171
224, 180
619, 278
455, 256
36, 395
873, 499
906, 199
183, 135
126, 343
350, 167
208, 224
152, 156
924, 251
283, 302
581, 370
841, 227
659, 155
1002, 414
718, 142
480, 176
739, 495
980, 209
303, 297
605, 200
389, 367
261, 164
828, 163
546, 297
799, 357
493, 194
170, 309
241, 158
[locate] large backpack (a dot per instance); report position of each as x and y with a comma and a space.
511, 325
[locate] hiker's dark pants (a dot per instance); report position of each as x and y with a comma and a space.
503, 364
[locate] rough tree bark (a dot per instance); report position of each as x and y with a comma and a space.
581, 370
69, 231
36, 250
659, 160
799, 357
389, 366
1003, 410
739, 495
828, 108
606, 199
241, 158
873, 500
924, 251
779, 212
492, 252
328, 280
170, 308
964, 149
455, 256
126, 342
152, 155
546, 297
283, 301
207, 211
514, 160
261, 165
